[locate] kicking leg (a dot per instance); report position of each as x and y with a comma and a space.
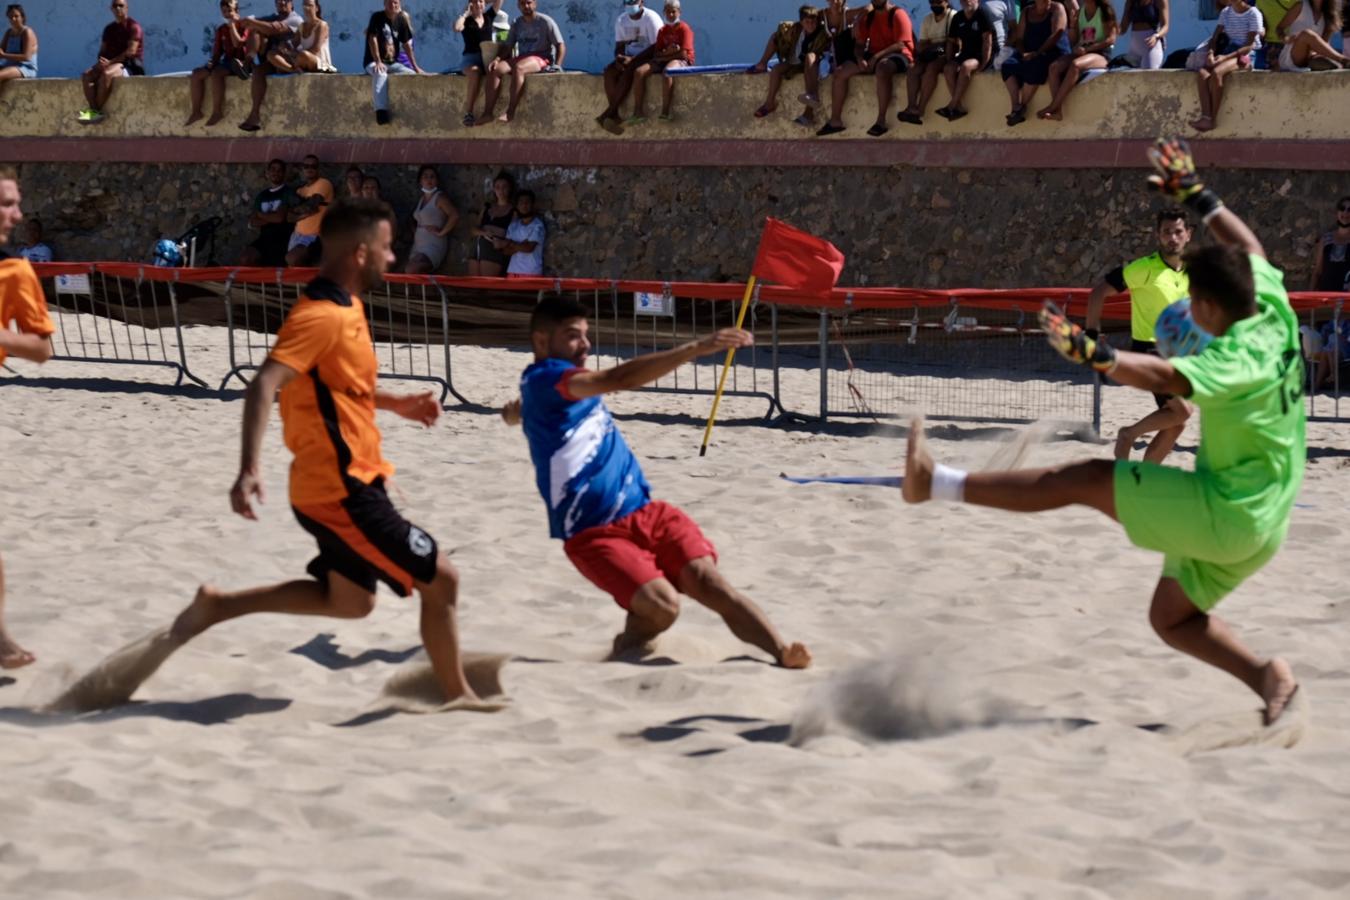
12, 656
341, 598
653, 609
1090, 483
1209, 639
701, 580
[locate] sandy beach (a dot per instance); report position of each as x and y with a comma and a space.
970, 728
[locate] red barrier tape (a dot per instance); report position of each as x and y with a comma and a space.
1026, 300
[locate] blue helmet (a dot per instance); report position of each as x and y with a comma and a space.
167, 254
1177, 333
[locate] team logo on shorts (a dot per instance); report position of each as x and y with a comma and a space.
419, 542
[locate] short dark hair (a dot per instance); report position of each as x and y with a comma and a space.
373, 178
354, 168
1172, 214
526, 193
552, 311
309, 156
15, 7
808, 12
276, 162
1222, 275
353, 217
506, 176
428, 167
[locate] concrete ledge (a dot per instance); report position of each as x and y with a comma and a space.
1271, 120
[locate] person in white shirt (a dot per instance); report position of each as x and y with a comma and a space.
524, 241
1237, 35
634, 31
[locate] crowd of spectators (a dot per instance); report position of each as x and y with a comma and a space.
508, 237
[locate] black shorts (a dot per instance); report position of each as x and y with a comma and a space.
365, 540
1152, 350
897, 60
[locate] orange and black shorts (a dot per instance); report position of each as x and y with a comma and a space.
365, 540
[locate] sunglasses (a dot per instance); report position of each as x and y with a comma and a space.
1341, 209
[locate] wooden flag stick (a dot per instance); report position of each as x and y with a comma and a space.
726, 367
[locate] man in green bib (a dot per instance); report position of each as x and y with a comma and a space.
1222, 522
1154, 282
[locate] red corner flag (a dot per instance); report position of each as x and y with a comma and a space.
796, 259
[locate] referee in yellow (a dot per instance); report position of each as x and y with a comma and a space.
1154, 282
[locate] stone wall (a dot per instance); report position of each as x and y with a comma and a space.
921, 227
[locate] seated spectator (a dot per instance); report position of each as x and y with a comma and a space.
972, 44
313, 198
1306, 31
496, 218
121, 51
1331, 349
1272, 14
351, 182
1092, 35
800, 46
388, 34
267, 35
1041, 38
229, 56
18, 47
534, 44
434, 218
477, 28
370, 188
930, 58
883, 45
1004, 14
524, 241
1331, 263
634, 31
271, 216
307, 49
31, 245
674, 49
1146, 22
1235, 38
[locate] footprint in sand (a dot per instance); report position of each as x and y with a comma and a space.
1244, 729
414, 688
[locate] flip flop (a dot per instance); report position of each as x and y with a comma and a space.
250, 128
762, 112
804, 121
944, 112
468, 121
1016, 117
827, 128
955, 114
877, 130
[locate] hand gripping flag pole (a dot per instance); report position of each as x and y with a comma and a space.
790, 258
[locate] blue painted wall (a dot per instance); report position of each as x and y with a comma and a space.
178, 32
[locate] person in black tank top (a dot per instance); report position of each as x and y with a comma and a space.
1331, 266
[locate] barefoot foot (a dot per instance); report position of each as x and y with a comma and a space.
199, 615
504, 118
918, 482
215, 119
192, 119
1277, 688
794, 656
12, 656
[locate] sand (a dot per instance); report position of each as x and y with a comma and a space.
989, 714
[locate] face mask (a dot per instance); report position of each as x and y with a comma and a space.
674, 21
428, 190
633, 10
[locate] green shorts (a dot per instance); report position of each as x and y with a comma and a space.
1208, 549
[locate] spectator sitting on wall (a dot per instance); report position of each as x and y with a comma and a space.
313, 198
1041, 38
1272, 14
476, 25
121, 51
972, 44
524, 241
634, 31
267, 35
883, 45
1147, 23
1091, 36
31, 245
930, 57
229, 56
388, 34
370, 188
1306, 32
674, 49
434, 218
351, 182
18, 47
307, 50
271, 216
800, 46
535, 45
1235, 38
493, 223
1004, 14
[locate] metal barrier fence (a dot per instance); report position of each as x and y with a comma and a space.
961, 354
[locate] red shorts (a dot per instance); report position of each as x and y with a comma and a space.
657, 541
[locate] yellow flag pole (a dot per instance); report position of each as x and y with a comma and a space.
726, 367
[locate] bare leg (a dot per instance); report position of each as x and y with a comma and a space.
340, 599
701, 580
1310, 43
197, 91
884, 78
1209, 639
89, 82
775, 83
12, 656
440, 630
500, 68
928, 85
839, 91
217, 95
258, 87
105, 86
475, 76
640, 90
520, 69
1170, 420
1090, 483
653, 609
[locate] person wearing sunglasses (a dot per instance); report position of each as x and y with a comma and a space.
121, 52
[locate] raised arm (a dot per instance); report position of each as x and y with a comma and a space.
1176, 178
645, 369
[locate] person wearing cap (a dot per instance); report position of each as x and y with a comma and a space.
634, 31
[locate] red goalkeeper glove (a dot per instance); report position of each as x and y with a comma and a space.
1073, 343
